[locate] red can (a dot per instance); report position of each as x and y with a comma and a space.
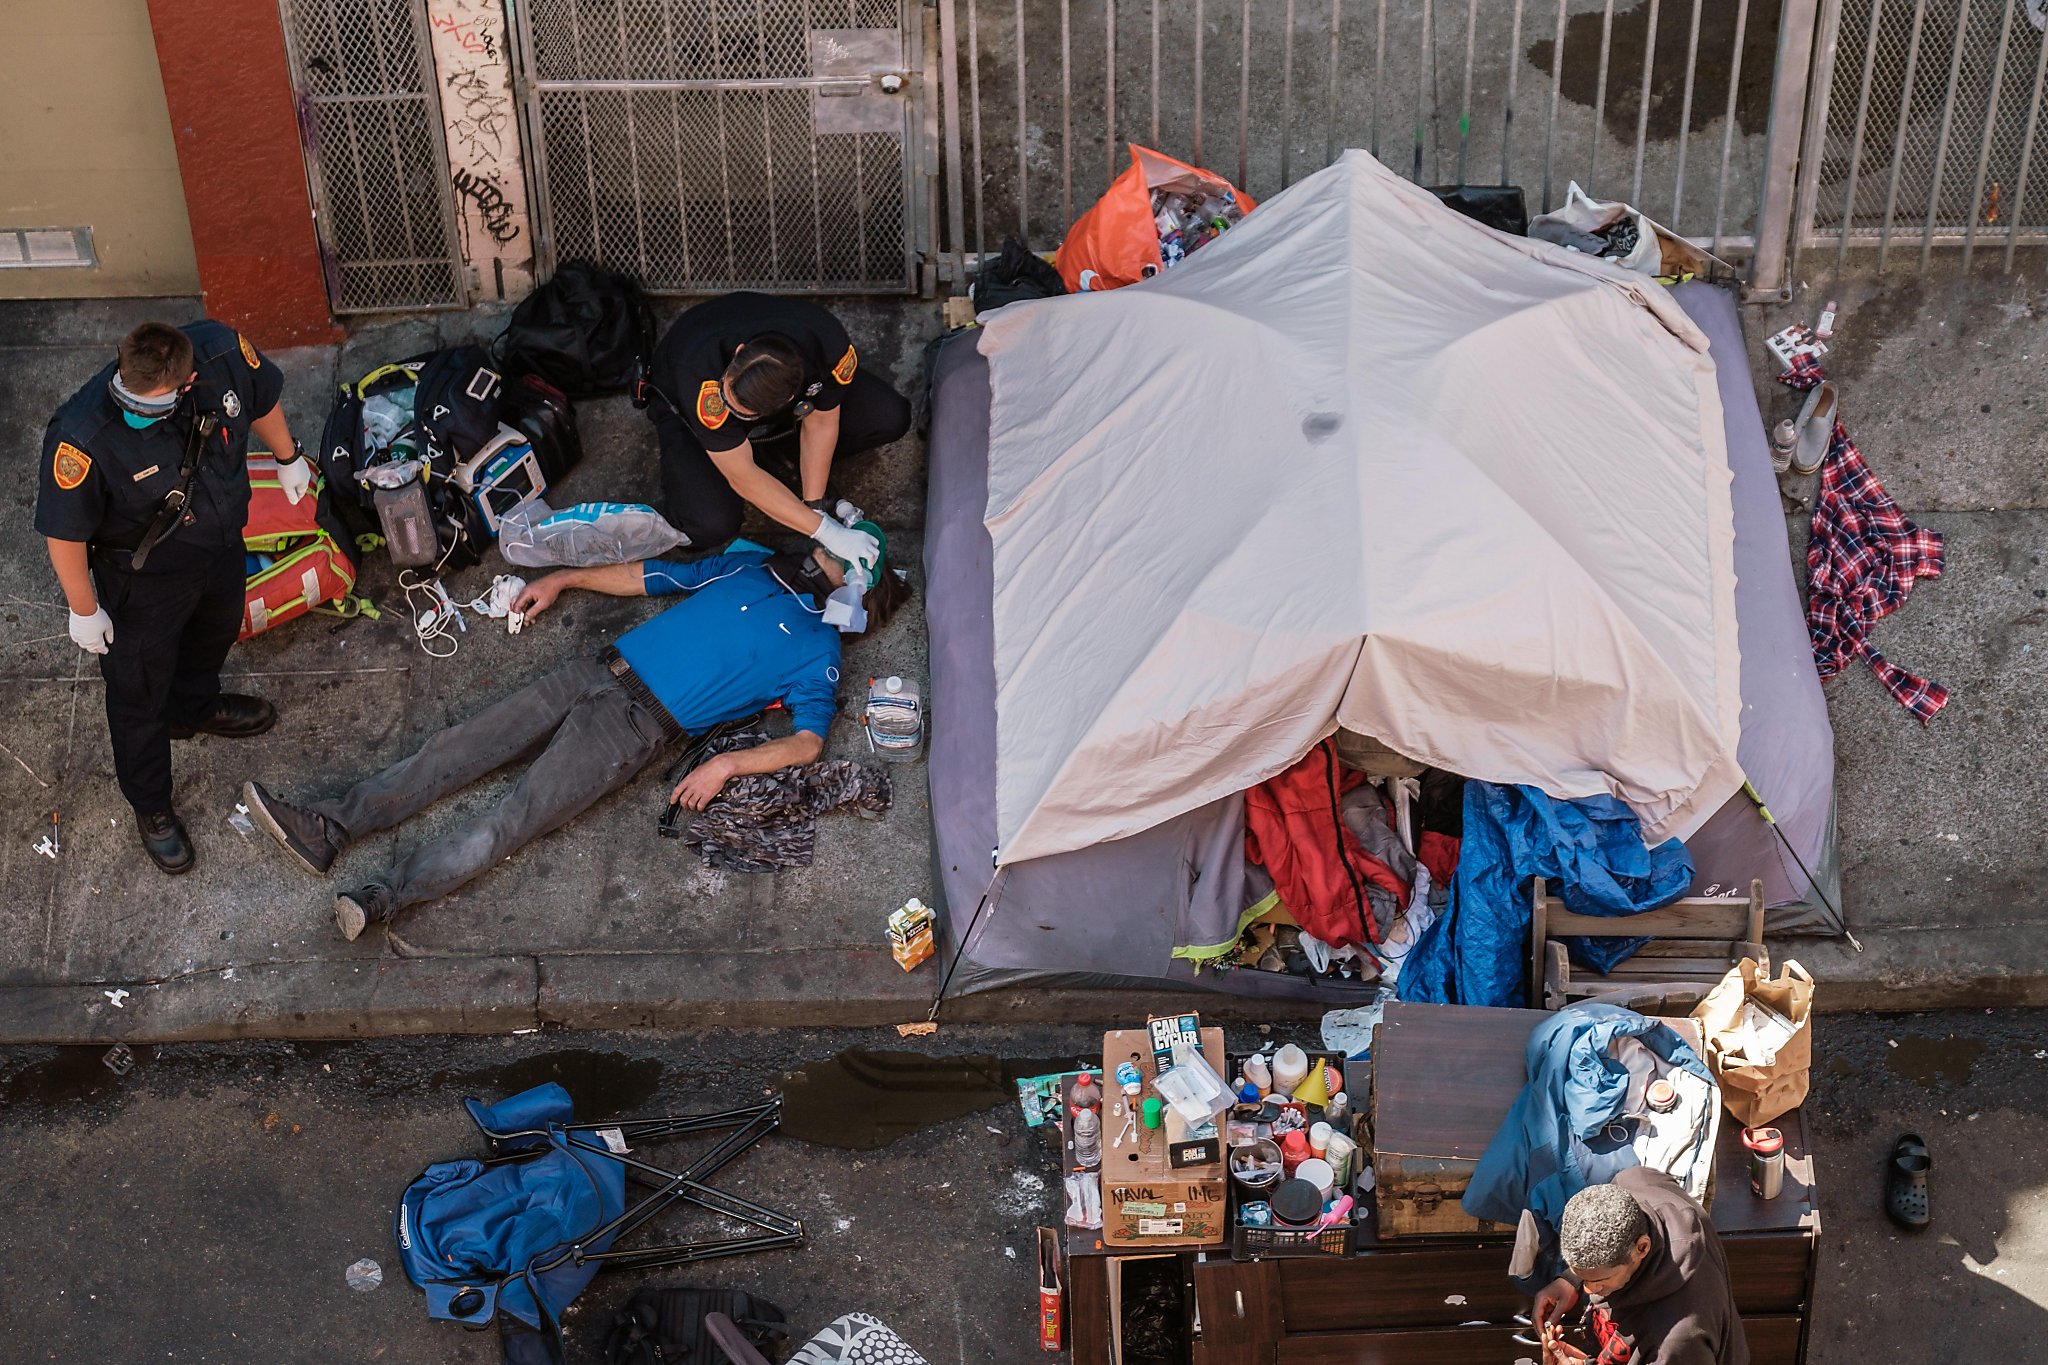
1294, 1150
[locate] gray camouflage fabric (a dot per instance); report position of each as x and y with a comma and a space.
764, 821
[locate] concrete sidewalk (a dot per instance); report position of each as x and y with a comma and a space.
604, 924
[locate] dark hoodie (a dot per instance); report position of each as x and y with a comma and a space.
1678, 1308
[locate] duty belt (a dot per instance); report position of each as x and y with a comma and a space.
615, 663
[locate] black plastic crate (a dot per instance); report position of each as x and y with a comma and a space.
1250, 1244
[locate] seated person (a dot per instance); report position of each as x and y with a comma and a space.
1651, 1268
751, 632
752, 391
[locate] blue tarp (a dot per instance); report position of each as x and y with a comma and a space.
1591, 851
1552, 1143
464, 1223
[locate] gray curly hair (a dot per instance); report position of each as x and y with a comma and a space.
1599, 1229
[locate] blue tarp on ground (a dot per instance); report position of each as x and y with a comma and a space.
1591, 851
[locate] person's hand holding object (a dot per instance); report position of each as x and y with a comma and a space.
1554, 1299
536, 597
843, 541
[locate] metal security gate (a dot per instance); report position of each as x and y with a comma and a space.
1673, 105
715, 144
370, 118
1926, 129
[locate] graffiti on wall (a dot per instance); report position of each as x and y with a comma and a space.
482, 133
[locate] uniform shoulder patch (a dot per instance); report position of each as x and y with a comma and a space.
70, 465
248, 351
711, 409
848, 363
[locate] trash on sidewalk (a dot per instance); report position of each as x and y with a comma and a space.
363, 1275
118, 1059
1623, 234
239, 821
119, 996
1151, 217
910, 933
924, 1029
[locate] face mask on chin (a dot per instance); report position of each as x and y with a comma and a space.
139, 422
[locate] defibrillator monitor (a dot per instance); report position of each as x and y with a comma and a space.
502, 477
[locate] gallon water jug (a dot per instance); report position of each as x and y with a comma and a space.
895, 719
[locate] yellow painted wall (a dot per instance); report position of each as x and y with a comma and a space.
85, 141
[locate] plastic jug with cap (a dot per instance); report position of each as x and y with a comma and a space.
895, 718
1290, 1066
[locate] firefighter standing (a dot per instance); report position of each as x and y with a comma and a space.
144, 493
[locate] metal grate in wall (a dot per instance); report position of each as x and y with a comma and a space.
371, 120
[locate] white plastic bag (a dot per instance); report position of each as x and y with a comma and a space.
535, 535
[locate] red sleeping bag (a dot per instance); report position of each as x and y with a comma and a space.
1293, 827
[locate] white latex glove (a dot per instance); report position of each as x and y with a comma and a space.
295, 477
92, 633
855, 547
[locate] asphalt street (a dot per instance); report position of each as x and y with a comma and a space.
205, 1207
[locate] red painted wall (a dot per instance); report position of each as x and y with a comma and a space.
233, 115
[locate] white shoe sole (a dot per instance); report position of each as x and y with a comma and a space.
349, 918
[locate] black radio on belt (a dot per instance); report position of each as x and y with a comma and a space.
204, 409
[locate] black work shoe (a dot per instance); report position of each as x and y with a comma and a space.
233, 716
355, 911
313, 840
165, 841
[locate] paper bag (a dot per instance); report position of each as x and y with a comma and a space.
1757, 1036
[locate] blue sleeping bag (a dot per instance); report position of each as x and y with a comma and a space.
483, 1237
1591, 851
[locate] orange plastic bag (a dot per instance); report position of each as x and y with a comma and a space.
1116, 243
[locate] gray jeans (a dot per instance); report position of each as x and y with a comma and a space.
587, 737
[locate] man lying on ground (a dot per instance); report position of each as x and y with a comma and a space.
750, 633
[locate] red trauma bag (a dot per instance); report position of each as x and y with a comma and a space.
303, 551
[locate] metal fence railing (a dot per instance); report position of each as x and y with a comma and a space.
1669, 104
1925, 128
736, 143
370, 117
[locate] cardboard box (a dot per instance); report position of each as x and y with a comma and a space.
910, 933
1146, 1201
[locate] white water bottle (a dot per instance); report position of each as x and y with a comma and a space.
895, 718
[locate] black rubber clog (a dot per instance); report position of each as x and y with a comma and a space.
1905, 1182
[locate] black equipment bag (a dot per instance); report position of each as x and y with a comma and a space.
666, 1326
544, 415
1497, 206
1018, 273
588, 331
457, 399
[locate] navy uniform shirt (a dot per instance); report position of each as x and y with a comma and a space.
103, 481
692, 357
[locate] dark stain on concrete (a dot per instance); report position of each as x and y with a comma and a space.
1631, 37
1944, 1061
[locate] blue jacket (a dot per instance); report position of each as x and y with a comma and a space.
1553, 1143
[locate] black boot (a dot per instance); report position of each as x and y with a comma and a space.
313, 841
232, 716
165, 841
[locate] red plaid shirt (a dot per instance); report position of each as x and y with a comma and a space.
1861, 562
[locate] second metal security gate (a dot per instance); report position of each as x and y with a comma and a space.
714, 144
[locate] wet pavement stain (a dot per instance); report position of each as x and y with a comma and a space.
1629, 39
602, 1085
864, 1098
63, 1077
1934, 1061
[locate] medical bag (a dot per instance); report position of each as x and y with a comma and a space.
298, 557
586, 330
392, 448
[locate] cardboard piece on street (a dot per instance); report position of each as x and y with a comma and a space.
1757, 1039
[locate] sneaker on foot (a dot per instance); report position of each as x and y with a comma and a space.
354, 911
313, 841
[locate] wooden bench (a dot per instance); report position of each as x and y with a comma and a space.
1697, 940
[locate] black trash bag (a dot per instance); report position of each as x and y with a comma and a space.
666, 1326
1018, 273
588, 331
1497, 206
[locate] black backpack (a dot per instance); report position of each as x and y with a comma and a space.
588, 331
544, 415
666, 1326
